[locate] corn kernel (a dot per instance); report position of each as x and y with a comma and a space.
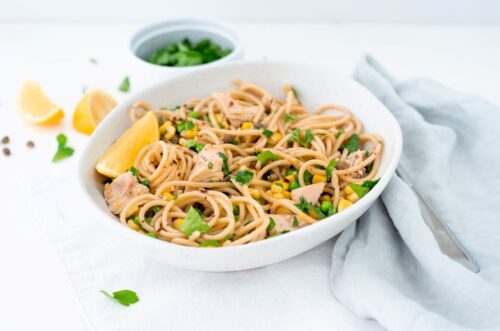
190, 134
177, 223
278, 195
270, 192
279, 186
164, 126
318, 179
131, 224
302, 217
246, 125
142, 231
344, 204
169, 133
217, 117
290, 178
275, 138
282, 210
313, 214
326, 197
167, 196
287, 194
254, 193
348, 190
353, 197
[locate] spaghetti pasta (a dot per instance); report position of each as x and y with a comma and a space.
241, 166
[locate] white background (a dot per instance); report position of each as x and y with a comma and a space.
401, 11
37, 37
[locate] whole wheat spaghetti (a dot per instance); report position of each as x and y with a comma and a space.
241, 166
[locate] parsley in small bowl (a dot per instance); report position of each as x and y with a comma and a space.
186, 53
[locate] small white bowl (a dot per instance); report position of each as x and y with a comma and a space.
156, 36
316, 86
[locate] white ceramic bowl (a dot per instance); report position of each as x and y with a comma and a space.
155, 36
316, 86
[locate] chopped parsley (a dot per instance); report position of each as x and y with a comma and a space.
364, 188
146, 182
235, 142
267, 156
329, 169
308, 177
305, 206
156, 209
290, 117
151, 234
308, 137
134, 171
93, 60
194, 146
225, 166
194, 222
63, 151
267, 133
244, 176
125, 85
184, 125
186, 53
352, 144
271, 225
284, 231
194, 114
123, 297
210, 243
295, 222
228, 237
339, 133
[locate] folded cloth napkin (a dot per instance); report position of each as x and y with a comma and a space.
388, 266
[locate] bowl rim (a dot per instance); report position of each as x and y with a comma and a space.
347, 214
221, 28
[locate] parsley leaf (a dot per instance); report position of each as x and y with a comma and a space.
93, 60
290, 117
329, 169
267, 133
194, 145
146, 182
305, 206
359, 189
152, 235
353, 143
123, 297
184, 125
267, 156
339, 133
225, 166
194, 114
308, 177
210, 243
295, 222
194, 222
63, 151
370, 183
134, 171
244, 176
228, 237
271, 225
125, 85
308, 137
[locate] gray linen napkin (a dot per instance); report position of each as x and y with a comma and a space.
388, 266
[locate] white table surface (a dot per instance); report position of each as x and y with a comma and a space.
35, 292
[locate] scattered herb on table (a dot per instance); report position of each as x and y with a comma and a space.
63, 151
93, 60
125, 85
123, 297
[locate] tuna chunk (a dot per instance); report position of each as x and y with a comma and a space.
310, 192
208, 165
284, 222
353, 160
235, 113
121, 190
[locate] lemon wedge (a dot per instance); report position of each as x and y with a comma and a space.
121, 155
91, 109
36, 107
